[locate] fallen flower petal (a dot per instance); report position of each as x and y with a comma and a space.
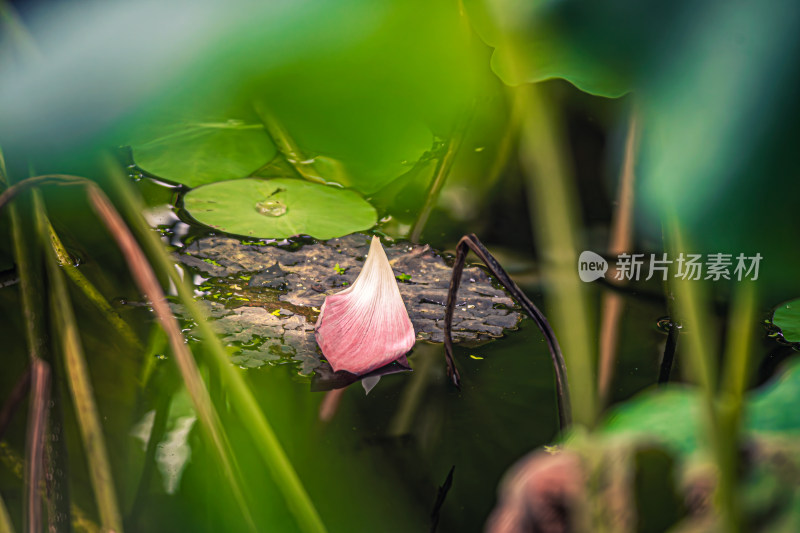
366, 326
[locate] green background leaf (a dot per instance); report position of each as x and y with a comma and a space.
672, 416
195, 154
320, 211
538, 41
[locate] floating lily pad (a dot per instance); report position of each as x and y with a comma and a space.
279, 208
201, 153
787, 318
266, 297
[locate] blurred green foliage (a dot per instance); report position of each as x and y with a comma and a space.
713, 84
672, 417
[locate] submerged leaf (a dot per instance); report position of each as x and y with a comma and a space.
366, 326
279, 208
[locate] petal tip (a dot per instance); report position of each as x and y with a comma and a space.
366, 326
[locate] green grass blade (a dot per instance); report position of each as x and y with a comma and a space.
721, 417
730, 402
241, 397
32, 299
80, 386
13, 463
739, 344
22, 41
692, 303
90, 291
30, 281
147, 282
440, 176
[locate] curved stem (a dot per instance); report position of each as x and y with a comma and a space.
471, 242
47, 179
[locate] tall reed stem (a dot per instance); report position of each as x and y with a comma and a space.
80, 385
241, 397
555, 219
721, 411
621, 241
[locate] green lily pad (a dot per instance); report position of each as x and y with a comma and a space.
787, 318
201, 153
279, 208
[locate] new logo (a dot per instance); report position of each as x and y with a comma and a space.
591, 266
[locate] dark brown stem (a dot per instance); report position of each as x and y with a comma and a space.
440, 497
471, 242
669, 354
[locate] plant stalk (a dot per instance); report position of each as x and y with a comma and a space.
439, 178
147, 282
90, 291
80, 385
241, 397
621, 240
555, 219
34, 449
471, 242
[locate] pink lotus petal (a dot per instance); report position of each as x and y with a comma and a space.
366, 326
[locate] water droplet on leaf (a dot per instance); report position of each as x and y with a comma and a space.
271, 208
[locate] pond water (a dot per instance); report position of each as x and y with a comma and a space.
369, 462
